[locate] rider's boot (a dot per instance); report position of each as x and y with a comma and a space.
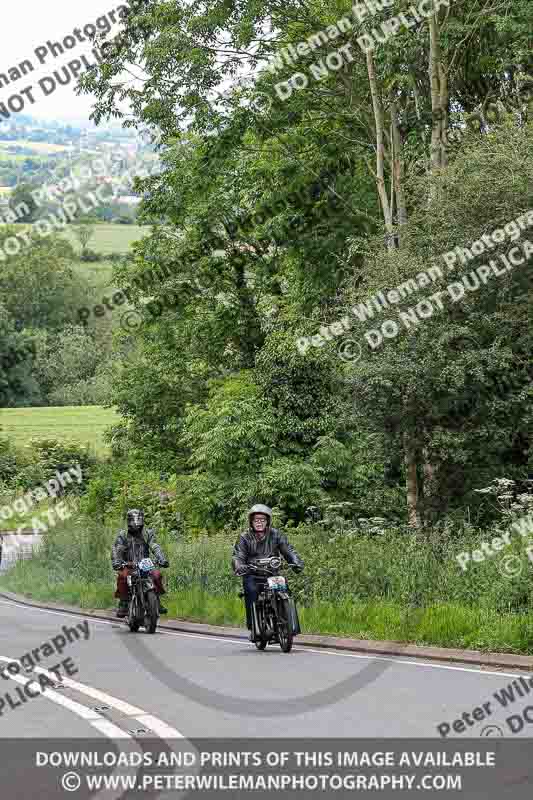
122, 610
162, 609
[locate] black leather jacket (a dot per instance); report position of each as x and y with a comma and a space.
249, 547
134, 548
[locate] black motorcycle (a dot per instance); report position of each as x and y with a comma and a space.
143, 604
274, 615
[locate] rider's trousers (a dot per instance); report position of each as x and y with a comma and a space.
122, 583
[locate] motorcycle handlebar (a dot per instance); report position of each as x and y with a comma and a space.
269, 568
133, 564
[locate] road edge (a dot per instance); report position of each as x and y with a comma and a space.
362, 646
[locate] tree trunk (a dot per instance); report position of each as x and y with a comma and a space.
411, 481
380, 147
397, 165
429, 484
439, 102
444, 97
434, 77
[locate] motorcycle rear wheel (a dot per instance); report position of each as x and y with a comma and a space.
285, 628
152, 612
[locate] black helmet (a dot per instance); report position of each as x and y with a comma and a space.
260, 509
135, 519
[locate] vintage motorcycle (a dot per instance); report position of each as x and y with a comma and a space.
143, 605
274, 614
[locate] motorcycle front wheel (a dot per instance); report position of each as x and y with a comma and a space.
133, 619
285, 627
261, 641
152, 612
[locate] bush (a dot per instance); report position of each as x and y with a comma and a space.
115, 257
90, 256
93, 391
43, 456
115, 488
10, 463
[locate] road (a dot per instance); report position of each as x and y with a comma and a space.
406, 698
174, 684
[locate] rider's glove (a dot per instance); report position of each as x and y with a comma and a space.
164, 564
240, 571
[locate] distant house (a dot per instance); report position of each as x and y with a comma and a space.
129, 199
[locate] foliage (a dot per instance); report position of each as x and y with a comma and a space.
115, 489
458, 382
273, 220
38, 286
10, 462
23, 204
84, 232
38, 461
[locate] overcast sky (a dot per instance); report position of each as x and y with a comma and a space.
29, 24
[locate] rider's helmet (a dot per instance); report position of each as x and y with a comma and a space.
260, 509
135, 519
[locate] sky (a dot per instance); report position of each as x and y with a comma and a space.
28, 25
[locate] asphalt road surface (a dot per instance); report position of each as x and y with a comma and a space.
190, 685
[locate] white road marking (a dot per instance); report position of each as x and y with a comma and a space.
407, 661
96, 720
147, 720
87, 714
100, 723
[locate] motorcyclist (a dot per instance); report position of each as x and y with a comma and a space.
259, 541
132, 547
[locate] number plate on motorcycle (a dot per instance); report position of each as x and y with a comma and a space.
277, 583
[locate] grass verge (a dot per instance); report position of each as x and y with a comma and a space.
441, 625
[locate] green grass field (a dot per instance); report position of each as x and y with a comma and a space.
107, 239
37, 147
85, 424
111, 238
